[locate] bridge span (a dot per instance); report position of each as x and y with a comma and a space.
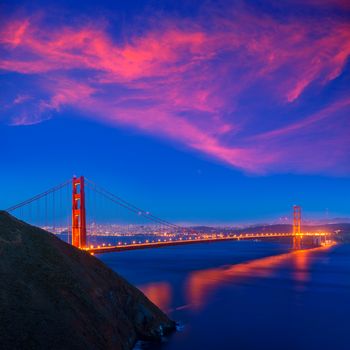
79, 231
149, 244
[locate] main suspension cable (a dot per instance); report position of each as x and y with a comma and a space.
39, 196
129, 206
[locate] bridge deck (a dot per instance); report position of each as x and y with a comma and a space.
167, 243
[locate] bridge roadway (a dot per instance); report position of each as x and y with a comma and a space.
167, 243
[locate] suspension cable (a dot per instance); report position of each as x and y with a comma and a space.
37, 197
129, 206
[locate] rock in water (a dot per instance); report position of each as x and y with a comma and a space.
54, 296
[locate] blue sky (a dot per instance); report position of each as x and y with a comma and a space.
174, 183
201, 113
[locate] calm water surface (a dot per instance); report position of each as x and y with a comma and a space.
245, 295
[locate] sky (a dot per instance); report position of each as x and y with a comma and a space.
200, 111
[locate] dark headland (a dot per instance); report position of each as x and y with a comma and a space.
54, 296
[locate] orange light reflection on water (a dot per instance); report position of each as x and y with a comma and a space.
301, 263
201, 284
160, 293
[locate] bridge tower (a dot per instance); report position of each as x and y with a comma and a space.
296, 227
296, 220
78, 213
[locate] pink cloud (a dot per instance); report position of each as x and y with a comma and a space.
318, 141
21, 99
185, 82
307, 122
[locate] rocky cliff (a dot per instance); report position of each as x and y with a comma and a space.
54, 296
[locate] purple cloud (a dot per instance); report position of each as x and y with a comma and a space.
206, 85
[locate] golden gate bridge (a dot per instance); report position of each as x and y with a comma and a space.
72, 208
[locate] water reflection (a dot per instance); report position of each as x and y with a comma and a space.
301, 261
201, 284
296, 299
160, 293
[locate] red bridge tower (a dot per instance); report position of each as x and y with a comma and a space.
78, 213
296, 226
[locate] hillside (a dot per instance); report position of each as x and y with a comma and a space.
54, 296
